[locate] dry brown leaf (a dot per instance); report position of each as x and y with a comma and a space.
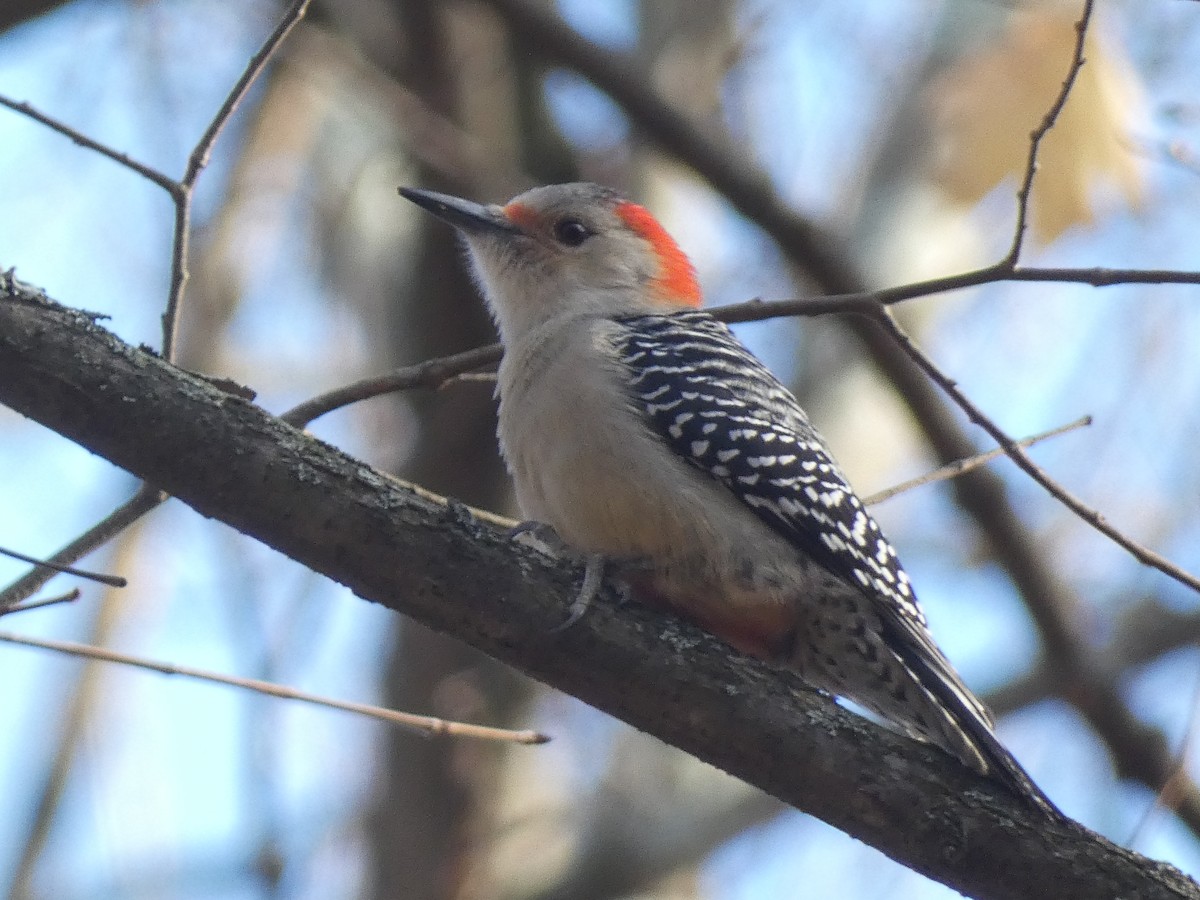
987, 103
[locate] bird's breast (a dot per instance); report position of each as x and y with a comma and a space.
579, 456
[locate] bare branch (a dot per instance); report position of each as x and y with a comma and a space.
198, 159
69, 597
426, 726
469, 378
146, 499
962, 466
1039, 134
110, 580
1139, 552
865, 302
166, 182
430, 374
181, 191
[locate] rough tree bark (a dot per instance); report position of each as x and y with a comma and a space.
233, 461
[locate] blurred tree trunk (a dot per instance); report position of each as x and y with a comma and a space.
435, 801
430, 793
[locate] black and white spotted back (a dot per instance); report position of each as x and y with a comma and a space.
719, 408
724, 412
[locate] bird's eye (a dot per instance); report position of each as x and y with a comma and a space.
571, 232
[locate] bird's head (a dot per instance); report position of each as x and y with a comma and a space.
577, 249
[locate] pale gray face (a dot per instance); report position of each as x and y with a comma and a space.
568, 248
570, 236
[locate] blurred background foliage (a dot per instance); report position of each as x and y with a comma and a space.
894, 131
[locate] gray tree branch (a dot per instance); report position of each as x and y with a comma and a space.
232, 461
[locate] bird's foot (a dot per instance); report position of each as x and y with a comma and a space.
545, 538
593, 578
540, 534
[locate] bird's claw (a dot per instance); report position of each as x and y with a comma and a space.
541, 532
593, 578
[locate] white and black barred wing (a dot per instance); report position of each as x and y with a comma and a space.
723, 411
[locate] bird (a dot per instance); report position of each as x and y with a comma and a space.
642, 431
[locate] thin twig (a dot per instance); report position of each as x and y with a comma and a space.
110, 580
1021, 458
69, 597
1039, 134
166, 182
431, 373
425, 725
199, 158
181, 191
439, 371
203, 150
866, 301
962, 466
146, 499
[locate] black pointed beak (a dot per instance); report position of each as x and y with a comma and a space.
473, 218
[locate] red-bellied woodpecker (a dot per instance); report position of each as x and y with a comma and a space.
643, 431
